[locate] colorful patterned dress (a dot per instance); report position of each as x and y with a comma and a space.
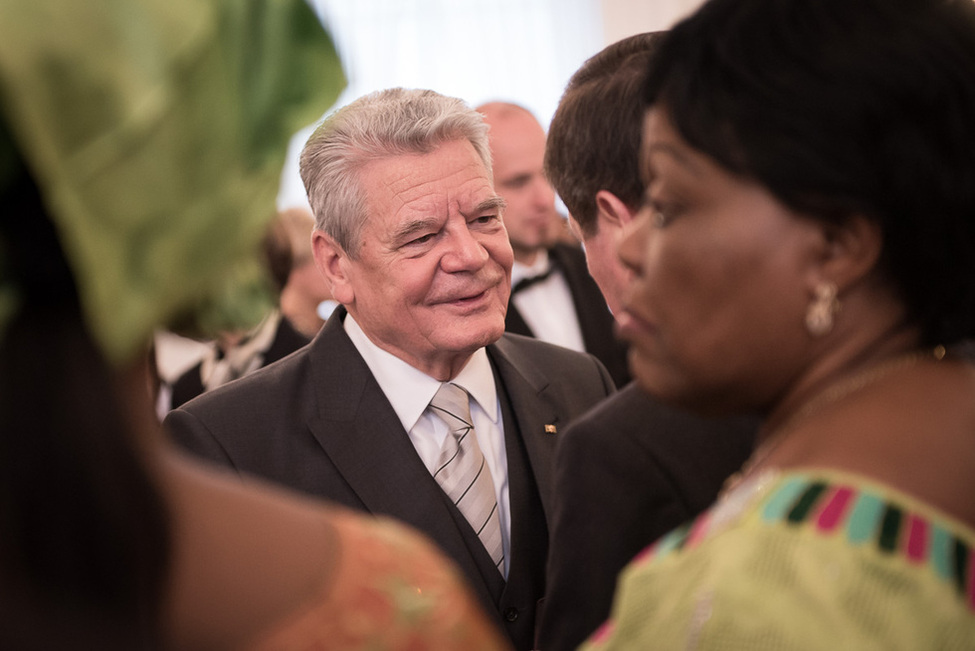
391, 592
802, 560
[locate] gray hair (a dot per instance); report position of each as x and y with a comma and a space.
382, 124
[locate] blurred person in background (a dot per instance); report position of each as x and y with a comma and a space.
235, 352
305, 298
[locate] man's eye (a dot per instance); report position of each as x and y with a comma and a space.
517, 183
421, 240
486, 219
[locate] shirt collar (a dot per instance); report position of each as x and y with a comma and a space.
409, 390
538, 267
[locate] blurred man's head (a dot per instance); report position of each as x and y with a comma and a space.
517, 143
592, 153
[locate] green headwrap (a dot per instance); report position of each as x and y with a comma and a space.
156, 130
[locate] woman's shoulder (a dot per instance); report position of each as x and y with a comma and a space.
840, 552
256, 566
849, 510
913, 432
391, 590
243, 554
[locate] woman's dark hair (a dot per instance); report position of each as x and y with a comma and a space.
844, 108
85, 539
278, 257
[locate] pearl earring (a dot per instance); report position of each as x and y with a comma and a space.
819, 316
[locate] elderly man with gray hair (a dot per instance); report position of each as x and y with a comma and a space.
376, 413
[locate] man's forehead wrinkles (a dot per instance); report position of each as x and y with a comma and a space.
432, 194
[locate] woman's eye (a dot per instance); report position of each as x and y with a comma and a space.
662, 214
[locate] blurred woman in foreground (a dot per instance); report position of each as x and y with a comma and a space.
808, 252
140, 150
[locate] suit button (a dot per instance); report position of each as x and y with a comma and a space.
510, 614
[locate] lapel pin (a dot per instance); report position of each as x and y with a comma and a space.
550, 429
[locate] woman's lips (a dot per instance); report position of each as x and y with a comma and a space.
632, 325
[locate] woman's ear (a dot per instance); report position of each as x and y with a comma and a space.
333, 263
850, 251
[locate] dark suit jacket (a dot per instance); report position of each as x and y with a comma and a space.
318, 422
286, 341
595, 320
626, 473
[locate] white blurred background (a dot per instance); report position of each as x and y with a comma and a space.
522, 51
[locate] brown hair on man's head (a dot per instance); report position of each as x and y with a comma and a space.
594, 138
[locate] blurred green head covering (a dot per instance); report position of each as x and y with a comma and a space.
156, 130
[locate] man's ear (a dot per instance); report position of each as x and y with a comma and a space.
611, 211
850, 251
333, 263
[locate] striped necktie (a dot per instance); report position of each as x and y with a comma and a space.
462, 472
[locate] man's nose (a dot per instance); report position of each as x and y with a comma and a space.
542, 194
465, 252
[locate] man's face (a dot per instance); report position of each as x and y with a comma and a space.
518, 149
602, 258
431, 280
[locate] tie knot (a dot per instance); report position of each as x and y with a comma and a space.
452, 405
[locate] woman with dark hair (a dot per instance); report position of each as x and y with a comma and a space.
140, 147
807, 251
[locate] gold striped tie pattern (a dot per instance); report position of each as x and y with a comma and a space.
462, 472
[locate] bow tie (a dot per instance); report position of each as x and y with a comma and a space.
528, 281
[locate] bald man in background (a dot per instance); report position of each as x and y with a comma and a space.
553, 297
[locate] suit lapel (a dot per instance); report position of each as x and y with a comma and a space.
364, 439
534, 408
360, 432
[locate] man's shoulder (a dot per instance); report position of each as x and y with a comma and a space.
287, 340
512, 343
526, 352
626, 414
657, 428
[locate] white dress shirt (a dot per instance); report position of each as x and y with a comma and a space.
547, 306
410, 391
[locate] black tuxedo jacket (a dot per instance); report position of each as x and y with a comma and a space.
318, 422
595, 320
286, 341
627, 472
